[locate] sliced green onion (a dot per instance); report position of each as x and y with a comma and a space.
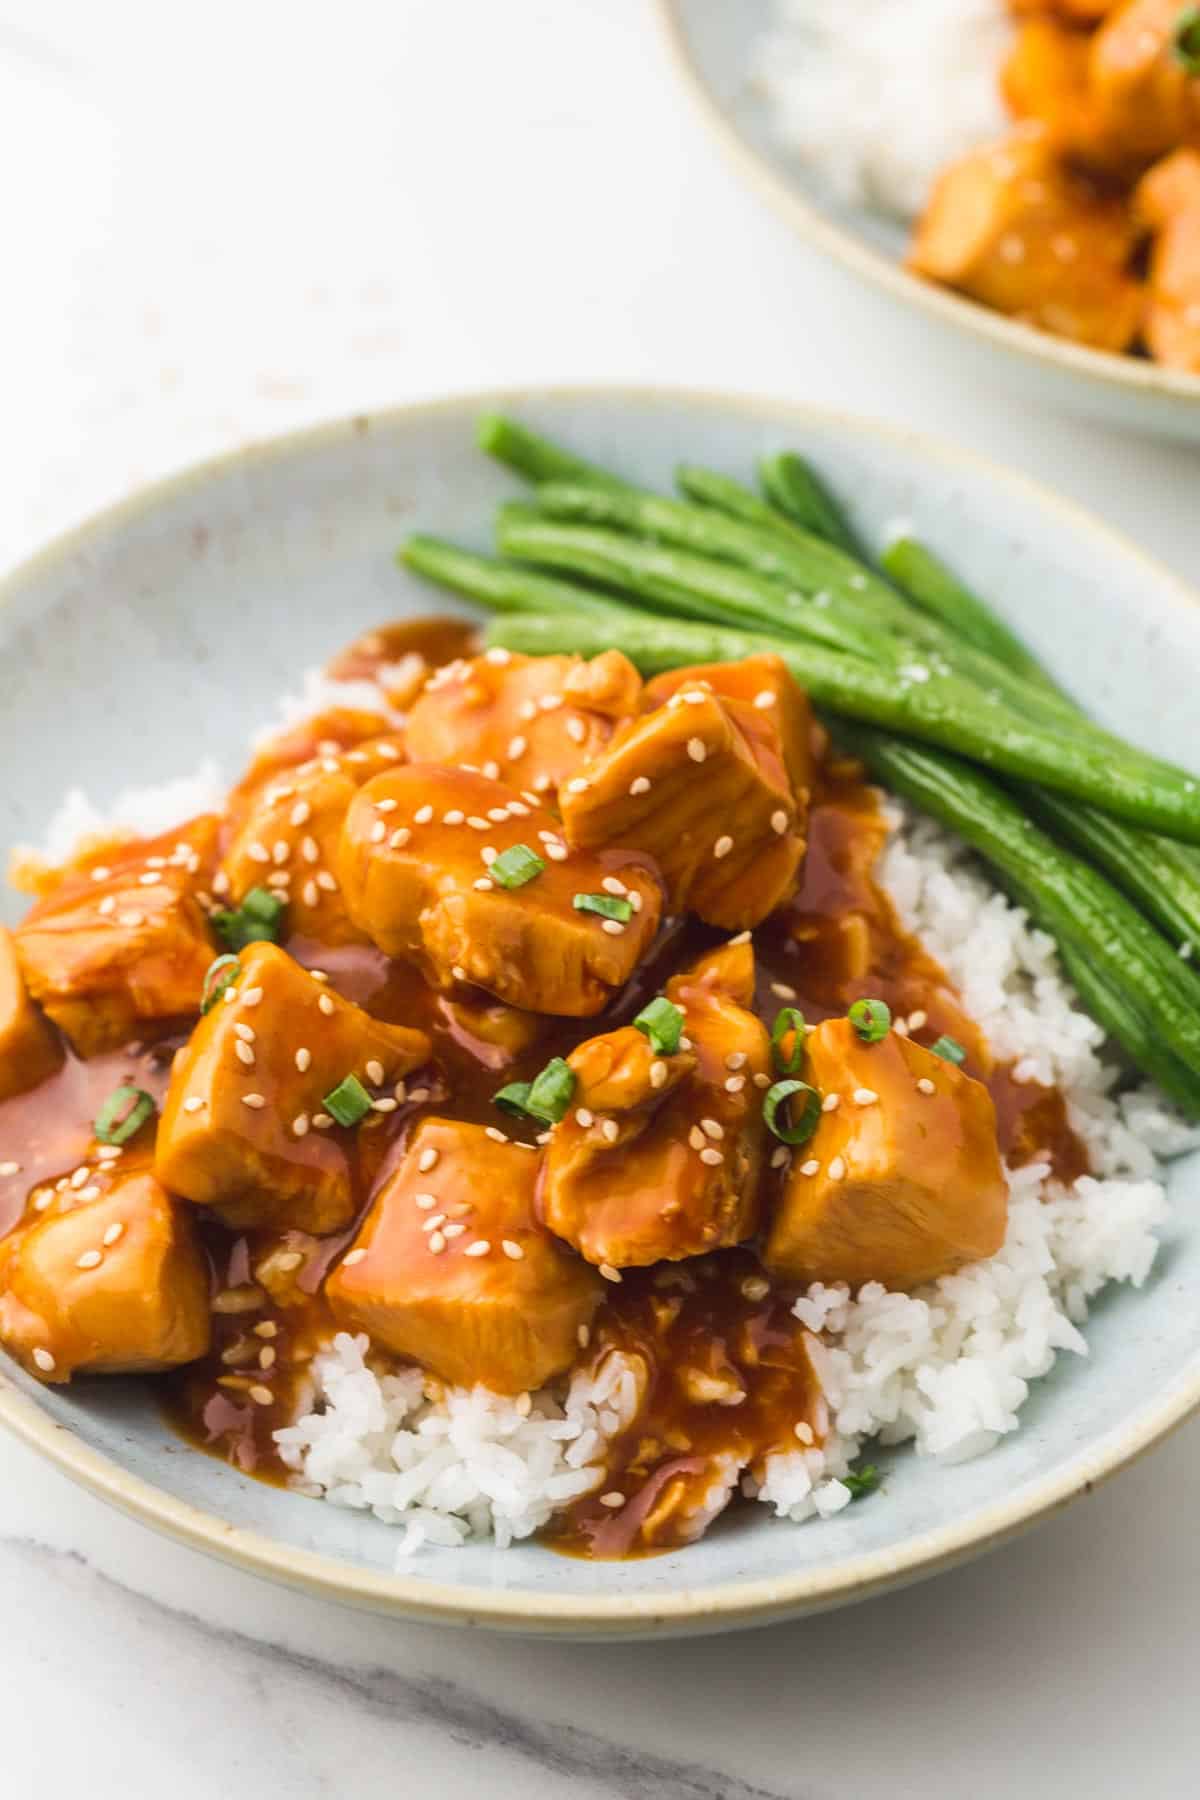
781, 1117
862, 1481
950, 1049
348, 1102
788, 1019
605, 906
550, 1092
514, 867
1185, 39
123, 1114
662, 1022
514, 1098
217, 977
255, 921
872, 1019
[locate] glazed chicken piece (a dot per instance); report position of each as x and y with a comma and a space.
289, 837
28, 1052
1013, 227
660, 1156
1146, 102
111, 1285
1072, 12
122, 940
530, 720
417, 852
327, 734
1046, 80
401, 657
772, 705
495, 1034
452, 1268
1168, 202
902, 1182
245, 1128
702, 784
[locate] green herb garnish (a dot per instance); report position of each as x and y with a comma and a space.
514, 1098
514, 867
550, 1092
217, 977
872, 1019
605, 906
789, 1125
348, 1102
255, 921
862, 1481
787, 1019
123, 1115
1185, 39
662, 1022
950, 1049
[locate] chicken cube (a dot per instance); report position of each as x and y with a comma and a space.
1013, 227
1046, 79
401, 657
28, 1052
1168, 201
902, 1180
702, 785
245, 1128
417, 850
1146, 102
328, 734
660, 1156
122, 940
452, 1268
531, 720
773, 707
115, 1285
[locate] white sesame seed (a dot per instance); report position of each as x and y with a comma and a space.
255, 1101
106, 905
712, 1157
764, 699
925, 1086
579, 784
325, 1004
693, 697
611, 885
542, 783
434, 1222
437, 1243
10, 1168
483, 885
527, 709
386, 806
610, 1131
427, 1160
518, 809
101, 873
609, 1273
245, 1032
639, 785
811, 1167
131, 919
91, 1192
378, 832
584, 1118
722, 847
261, 1396
375, 1073
865, 1096
310, 893
43, 1200
916, 1020
612, 1500
322, 1122
244, 1053
325, 880
635, 900
148, 881
220, 882
780, 1157
496, 1135
452, 1231
279, 878
583, 1337
762, 1081
557, 852
803, 1431
837, 1168
310, 850
498, 656
399, 838
614, 927
91, 1259
512, 1250
549, 702
734, 1084
252, 996
423, 815
480, 1247
831, 1102
697, 750
115, 1231
576, 730
782, 991
193, 1103
454, 817
658, 1073
491, 771
516, 748
712, 1128
44, 1361
384, 1105
280, 851
80, 1176
419, 1096
476, 823
300, 1125
424, 1201
258, 853
301, 813
779, 821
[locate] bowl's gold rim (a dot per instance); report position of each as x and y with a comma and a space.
736, 1603
1102, 368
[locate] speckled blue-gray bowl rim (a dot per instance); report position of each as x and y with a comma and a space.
679, 1608
1153, 396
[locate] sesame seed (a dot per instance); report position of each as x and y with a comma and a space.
399, 838
386, 806
326, 1004
434, 1222
131, 919
254, 1101
512, 1250
635, 900
106, 905
148, 881
614, 1499
764, 699
423, 815
220, 882
576, 730
696, 1138
300, 1125
584, 1117
291, 1259
611, 885
811, 1167
712, 1128
80, 1176
803, 1431
527, 709
837, 1168
322, 1122
279, 878
782, 991
779, 821
280, 851
639, 785
419, 1096
734, 1084
518, 809
831, 1102
925, 1086
458, 972
610, 1131
91, 1192
542, 783
252, 996
613, 927
762, 1081
865, 1096
452, 1231
378, 831
916, 1020
480, 1247
301, 813
658, 1073
266, 1357
10, 1168
697, 750
375, 1073
454, 817
516, 748
583, 1337
609, 1273
245, 1032
113, 1234
261, 1396
267, 1329
101, 873
325, 880
476, 823
755, 1288
483, 885
693, 697
498, 656
90, 1259
352, 1257
427, 1160
244, 1053
900, 1027
44, 1361
579, 784
496, 1135
722, 847
712, 1157
310, 893
384, 1105
259, 853
43, 1200
491, 771
549, 702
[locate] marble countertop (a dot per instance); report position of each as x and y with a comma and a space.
228, 223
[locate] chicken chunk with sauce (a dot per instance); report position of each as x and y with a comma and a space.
115, 1283
122, 940
530, 720
902, 1179
661, 1156
452, 1268
729, 840
28, 1052
1168, 203
417, 850
245, 1129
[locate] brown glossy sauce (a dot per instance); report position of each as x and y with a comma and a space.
839, 939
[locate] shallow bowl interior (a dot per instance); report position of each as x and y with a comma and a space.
161, 632
714, 47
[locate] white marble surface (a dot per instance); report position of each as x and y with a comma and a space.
223, 221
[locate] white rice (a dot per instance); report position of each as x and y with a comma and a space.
948, 1366
876, 96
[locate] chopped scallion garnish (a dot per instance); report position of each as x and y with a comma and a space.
605, 906
123, 1114
950, 1049
1185, 39
255, 921
862, 1481
348, 1102
662, 1022
550, 1092
872, 1019
792, 1110
788, 1023
514, 1098
217, 977
514, 867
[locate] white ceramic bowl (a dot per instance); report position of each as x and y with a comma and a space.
712, 44
160, 632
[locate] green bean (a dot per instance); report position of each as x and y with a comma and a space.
797, 490
534, 456
939, 711
922, 575
1112, 1005
1160, 874
500, 586
707, 488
